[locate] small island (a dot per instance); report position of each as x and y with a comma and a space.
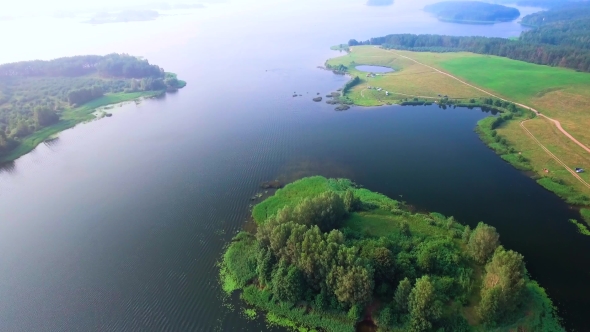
41, 98
473, 12
330, 256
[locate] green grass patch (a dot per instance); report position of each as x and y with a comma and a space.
515, 79
238, 266
291, 194
581, 227
564, 191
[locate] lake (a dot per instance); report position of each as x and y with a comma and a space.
118, 224
374, 69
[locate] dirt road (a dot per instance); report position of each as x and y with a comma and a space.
555, 122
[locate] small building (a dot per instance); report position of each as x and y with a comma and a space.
579, 170
387, 93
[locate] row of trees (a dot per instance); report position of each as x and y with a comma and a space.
112, 65
84, 95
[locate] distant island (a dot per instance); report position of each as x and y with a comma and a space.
124, 16
328, 256
379, 2
472, 12
41, 98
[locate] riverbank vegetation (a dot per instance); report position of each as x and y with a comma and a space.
327, 255
472, 12
41, 98
559, 93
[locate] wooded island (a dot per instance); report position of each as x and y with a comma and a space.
472, 12
328, 255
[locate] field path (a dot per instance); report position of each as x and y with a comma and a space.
555, 122
554, 156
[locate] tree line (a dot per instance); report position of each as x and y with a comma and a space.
111, 65
33, 94
560, 39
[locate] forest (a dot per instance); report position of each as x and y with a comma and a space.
34, 94
472, 11
327, 255
560, 37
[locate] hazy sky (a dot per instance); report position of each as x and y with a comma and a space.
24, 7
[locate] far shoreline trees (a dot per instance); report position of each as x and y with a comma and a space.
559, 39
34, 94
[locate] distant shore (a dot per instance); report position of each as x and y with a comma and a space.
72, 117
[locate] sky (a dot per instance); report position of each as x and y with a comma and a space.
36, 7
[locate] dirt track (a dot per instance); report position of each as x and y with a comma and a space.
555, 122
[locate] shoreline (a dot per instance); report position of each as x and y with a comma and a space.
73, 117
498, 141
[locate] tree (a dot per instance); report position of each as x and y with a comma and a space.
326, 210
351, 202
402, 294
353, 285
287, 283
483, 241
44, 116
503, 284
264, 265
383, 264
422, 305
466, 234
405, 228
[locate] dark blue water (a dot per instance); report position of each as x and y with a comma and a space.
119, 223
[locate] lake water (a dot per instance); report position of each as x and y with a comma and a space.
374, 69
119, 223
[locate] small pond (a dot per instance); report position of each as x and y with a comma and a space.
374, 69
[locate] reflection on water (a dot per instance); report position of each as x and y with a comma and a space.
8, 167
307, 166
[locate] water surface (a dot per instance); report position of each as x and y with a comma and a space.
119, 223
374, 69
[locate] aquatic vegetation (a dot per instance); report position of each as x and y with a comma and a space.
582, 229
250, 314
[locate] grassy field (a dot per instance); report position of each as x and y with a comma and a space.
70, 118
562, 94
408, 80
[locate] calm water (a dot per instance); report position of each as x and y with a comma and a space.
374, 69
118, 224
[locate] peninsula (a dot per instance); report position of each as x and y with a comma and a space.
474, 12
41, 98
542, 124
328, 255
